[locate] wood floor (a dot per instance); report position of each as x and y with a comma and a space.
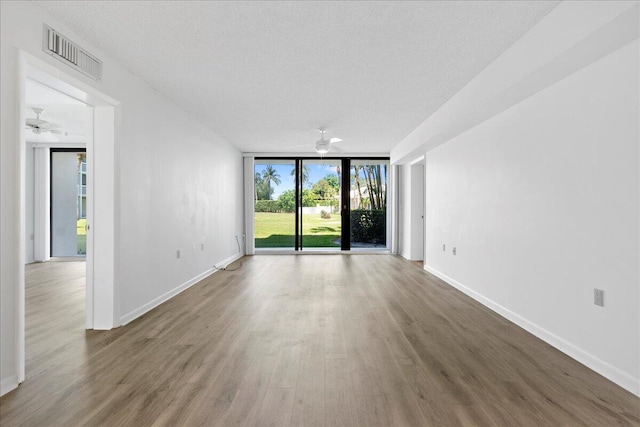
315, 340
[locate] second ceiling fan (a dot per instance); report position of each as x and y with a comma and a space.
39, 125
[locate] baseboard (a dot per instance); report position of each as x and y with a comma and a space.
127, 318
608, 371
8, 384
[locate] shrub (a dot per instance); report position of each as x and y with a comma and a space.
287, 201
267, 206
368, 226
325, 215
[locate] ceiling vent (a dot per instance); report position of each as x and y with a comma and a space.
60, 47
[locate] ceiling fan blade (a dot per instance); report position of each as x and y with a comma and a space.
337, 149
36, 122
332, 140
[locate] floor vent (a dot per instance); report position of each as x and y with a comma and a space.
60, 47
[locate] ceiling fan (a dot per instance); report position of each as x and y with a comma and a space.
323, 145
39, 126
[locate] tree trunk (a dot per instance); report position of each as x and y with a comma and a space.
372, 199
357, 182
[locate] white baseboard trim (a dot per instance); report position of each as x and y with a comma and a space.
608, 371
127, 318
8, 384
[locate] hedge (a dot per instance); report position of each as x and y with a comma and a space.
368, 226
267, 206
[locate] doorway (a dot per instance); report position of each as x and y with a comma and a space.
57, 128
34, 205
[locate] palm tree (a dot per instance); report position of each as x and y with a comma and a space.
356, 174
270, 174
305, 174
263, 192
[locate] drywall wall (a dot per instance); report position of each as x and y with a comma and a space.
417, 211
29, 204
411, 210
542, 205
9, 202
404, 211
178, 185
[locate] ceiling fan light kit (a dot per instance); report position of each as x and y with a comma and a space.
323, 145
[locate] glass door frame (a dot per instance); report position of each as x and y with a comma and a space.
53, 150
345, 189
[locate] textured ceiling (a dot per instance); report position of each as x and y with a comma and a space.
264, 75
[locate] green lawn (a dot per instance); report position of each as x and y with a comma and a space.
81, 232
277, 230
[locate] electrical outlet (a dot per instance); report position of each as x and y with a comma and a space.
454, 250
444, 247
202, 246
178, 254
598, 297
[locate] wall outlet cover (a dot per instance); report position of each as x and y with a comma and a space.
598, 297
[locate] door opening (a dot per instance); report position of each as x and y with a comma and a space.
34, 143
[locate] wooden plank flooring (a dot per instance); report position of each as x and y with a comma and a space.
309, 340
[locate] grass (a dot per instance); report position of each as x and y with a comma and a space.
81, 232
277, 230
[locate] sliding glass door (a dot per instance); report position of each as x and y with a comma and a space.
68, 202
321, 222
368, 203
320, 204
275, 203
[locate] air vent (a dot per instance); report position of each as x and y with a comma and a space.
60, 47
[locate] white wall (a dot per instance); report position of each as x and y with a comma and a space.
542, 204
404, 211
411, 210
528, 148
417, 211
178, 184
29, 204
